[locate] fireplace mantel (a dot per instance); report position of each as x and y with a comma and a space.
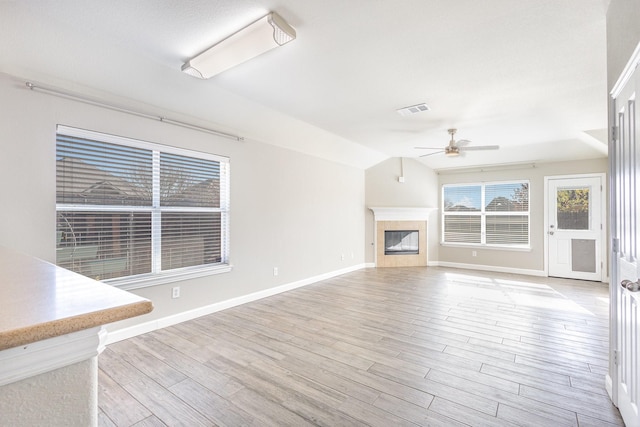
401, 214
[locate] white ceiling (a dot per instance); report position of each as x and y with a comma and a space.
529, 76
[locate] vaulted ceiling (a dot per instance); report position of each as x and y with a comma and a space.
529, 76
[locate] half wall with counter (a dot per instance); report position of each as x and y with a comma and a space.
50, 336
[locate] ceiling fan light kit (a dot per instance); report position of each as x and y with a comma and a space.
455, 148
266, 33
452, 151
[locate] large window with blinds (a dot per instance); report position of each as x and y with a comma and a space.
130, 211
489, 214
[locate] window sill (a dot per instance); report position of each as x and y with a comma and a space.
489, 247
144, 281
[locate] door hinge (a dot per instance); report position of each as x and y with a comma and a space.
614, 133
615, 244
615, 357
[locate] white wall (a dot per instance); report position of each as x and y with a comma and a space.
288, 210
67, 396
420, 189
623, 35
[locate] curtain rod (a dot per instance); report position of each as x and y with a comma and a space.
488, 168
75, 97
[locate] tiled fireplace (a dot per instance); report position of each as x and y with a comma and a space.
401, 236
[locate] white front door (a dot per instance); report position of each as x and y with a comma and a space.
575, 227
623, 382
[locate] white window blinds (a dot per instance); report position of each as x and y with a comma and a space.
492, 214
129, 208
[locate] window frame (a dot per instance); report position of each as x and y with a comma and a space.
483, 213
157, 276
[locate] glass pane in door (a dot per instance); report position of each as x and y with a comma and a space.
572, 208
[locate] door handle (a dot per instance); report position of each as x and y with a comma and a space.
630, 286
551, 233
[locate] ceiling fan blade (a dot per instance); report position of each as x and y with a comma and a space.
428, 148
480, 147
462, 142
431, 154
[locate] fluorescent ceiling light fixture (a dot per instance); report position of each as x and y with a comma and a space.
266, 33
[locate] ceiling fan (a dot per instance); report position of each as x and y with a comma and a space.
455, 148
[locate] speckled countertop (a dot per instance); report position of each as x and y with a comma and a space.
39, 300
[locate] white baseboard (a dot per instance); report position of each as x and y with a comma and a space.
497, 269
142, 328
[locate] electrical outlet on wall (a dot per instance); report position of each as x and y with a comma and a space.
474, 253
175, 292
275, 271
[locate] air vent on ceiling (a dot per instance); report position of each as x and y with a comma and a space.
413, 109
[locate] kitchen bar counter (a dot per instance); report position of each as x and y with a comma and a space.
39, 300
51, 334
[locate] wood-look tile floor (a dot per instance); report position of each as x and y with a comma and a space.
379, 347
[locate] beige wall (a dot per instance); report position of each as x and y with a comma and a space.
288, 210
382, 189
521, 260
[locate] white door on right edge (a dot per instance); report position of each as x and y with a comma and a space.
624, 292
575, 227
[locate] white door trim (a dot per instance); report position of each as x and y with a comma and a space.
623, 79
603, 213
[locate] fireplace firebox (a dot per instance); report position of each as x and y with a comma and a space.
401, 242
